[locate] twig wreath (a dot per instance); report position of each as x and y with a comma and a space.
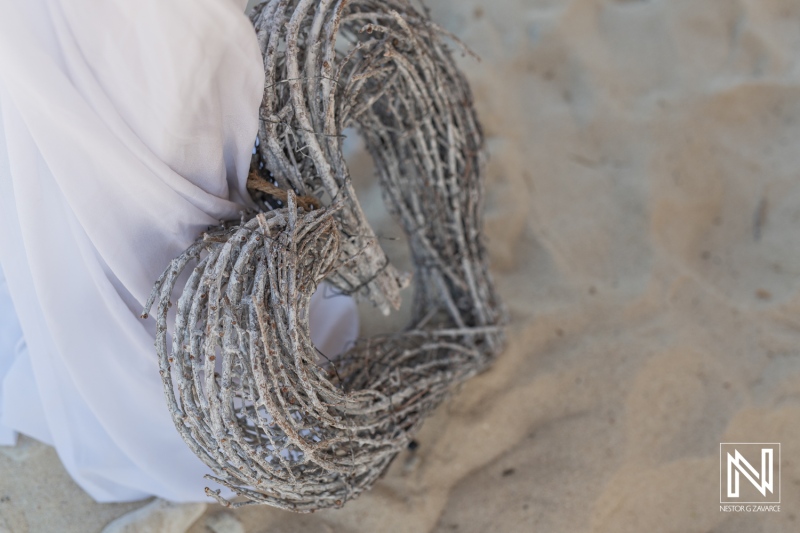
248, 391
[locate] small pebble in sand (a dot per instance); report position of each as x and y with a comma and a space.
224, 522
158, 516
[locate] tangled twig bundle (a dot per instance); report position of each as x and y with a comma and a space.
277, 422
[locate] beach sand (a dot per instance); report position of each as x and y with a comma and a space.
643, 218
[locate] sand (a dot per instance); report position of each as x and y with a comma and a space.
643, 217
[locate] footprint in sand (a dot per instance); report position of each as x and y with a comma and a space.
678, 406
727, 197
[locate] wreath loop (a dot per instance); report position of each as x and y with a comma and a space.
277, 422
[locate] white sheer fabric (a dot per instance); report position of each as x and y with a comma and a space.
126, 129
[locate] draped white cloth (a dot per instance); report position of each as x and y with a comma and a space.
126, 128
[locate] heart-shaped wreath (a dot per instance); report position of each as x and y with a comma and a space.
248, 391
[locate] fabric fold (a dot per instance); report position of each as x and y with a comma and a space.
125, 130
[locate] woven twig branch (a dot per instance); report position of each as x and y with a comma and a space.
276, 421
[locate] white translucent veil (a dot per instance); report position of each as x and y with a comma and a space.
126, 128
